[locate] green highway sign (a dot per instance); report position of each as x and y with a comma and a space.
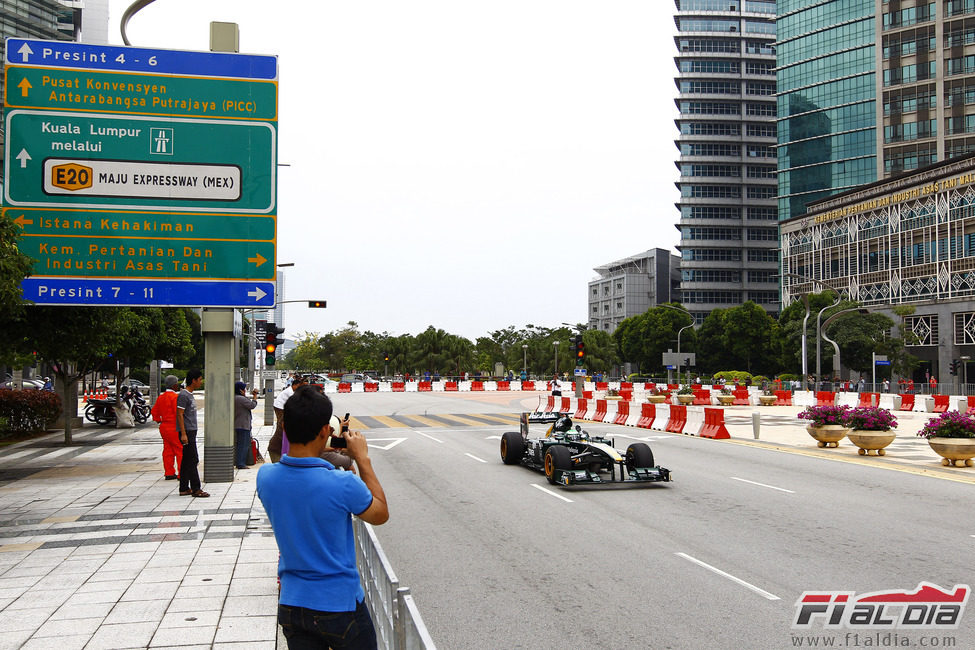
153, 225
60, 159
142, 176
61, 256
139, 94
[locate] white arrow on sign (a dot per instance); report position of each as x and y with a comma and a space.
256, 294
25, 52
23, 157
395, 441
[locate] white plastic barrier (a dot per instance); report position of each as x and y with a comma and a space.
437, 386
491, 385
803, 398
921, 404
695, 420
610, 410
957, 403
358, 387
662, 417
385, 387
886, 401
636, 412
411, 387
847, 399
590, 409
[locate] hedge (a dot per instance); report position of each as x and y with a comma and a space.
27, 411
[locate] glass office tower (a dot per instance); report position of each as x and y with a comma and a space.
726, 98
827, 99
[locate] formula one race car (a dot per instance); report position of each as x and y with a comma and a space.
571, 457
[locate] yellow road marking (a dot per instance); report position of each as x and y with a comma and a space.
388, 421
424, 421
857, 460
510, 419
459, 420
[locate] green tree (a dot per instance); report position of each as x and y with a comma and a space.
14, 266
859, 337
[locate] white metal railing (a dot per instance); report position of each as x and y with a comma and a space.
399, 625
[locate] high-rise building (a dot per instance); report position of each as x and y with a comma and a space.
869, 89
726, 98
631, 286
827, 105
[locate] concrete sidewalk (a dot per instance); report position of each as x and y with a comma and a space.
97, 550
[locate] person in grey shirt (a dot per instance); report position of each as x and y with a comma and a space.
189, 474
243, 406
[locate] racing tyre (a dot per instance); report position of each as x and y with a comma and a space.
556, 457
512, 448
638, 455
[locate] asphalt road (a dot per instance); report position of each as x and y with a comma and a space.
495, 557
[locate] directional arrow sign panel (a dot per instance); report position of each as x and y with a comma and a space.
142, 176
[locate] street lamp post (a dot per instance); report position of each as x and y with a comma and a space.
524, 367
556, 358
679, 357
836, 347
819, 330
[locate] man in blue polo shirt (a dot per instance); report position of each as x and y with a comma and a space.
309, 503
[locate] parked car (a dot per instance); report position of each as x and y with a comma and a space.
29, 384
357, 378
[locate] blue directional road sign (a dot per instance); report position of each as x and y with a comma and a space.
147, 293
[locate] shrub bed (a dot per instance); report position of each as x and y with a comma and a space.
27, 411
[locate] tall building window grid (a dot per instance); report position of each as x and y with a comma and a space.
730, 56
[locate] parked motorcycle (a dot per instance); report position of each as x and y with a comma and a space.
102, 411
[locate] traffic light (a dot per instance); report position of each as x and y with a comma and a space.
955, 365
385, 356
271, 342
316, 304
580, 351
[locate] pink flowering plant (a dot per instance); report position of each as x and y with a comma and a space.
871, 418
950, 424
829, 414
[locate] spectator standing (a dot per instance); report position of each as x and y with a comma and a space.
164, 412
910, 385
934, 385
556, 386
189, 473
274, 444
886, 385
861, 385
243, 406
322, 603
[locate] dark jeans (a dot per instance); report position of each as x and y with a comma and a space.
242, 444
189, 475
310, 628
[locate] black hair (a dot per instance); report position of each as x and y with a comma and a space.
192, 374
305, 413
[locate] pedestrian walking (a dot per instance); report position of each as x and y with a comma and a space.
243, 407
189, 472
164, 412
322, 603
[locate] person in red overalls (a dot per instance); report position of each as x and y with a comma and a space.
164, 412
910, 386
934, 385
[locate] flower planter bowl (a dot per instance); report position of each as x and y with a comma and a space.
726, 400
685, 399
828, 435
955, 452
869, 441
767, 400
656, 399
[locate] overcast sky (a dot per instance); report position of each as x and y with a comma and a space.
454, 163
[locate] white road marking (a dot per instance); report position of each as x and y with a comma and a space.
427, 435
547, 491
480, 460
760, 592
393, 443
771, 487
493, 438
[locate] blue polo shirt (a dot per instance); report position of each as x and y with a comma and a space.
309, 504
